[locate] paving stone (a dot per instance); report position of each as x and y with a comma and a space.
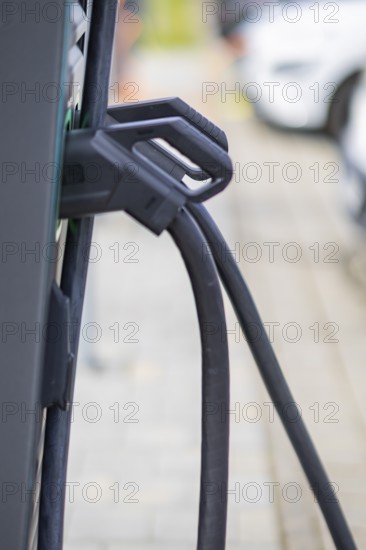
161, 371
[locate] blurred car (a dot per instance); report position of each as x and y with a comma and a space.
352, 141
302, 61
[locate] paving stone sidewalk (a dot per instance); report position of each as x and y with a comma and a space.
134, 461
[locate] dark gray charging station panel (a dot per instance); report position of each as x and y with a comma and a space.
36, 39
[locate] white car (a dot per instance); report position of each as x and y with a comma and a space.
303, 60
353, 140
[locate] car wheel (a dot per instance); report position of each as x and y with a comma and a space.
353, 192
339, 107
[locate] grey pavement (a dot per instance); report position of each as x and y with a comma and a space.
134, 460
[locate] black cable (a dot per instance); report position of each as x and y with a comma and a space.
76, 259
215, 384
273, 377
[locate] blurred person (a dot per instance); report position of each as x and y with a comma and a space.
232, 16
